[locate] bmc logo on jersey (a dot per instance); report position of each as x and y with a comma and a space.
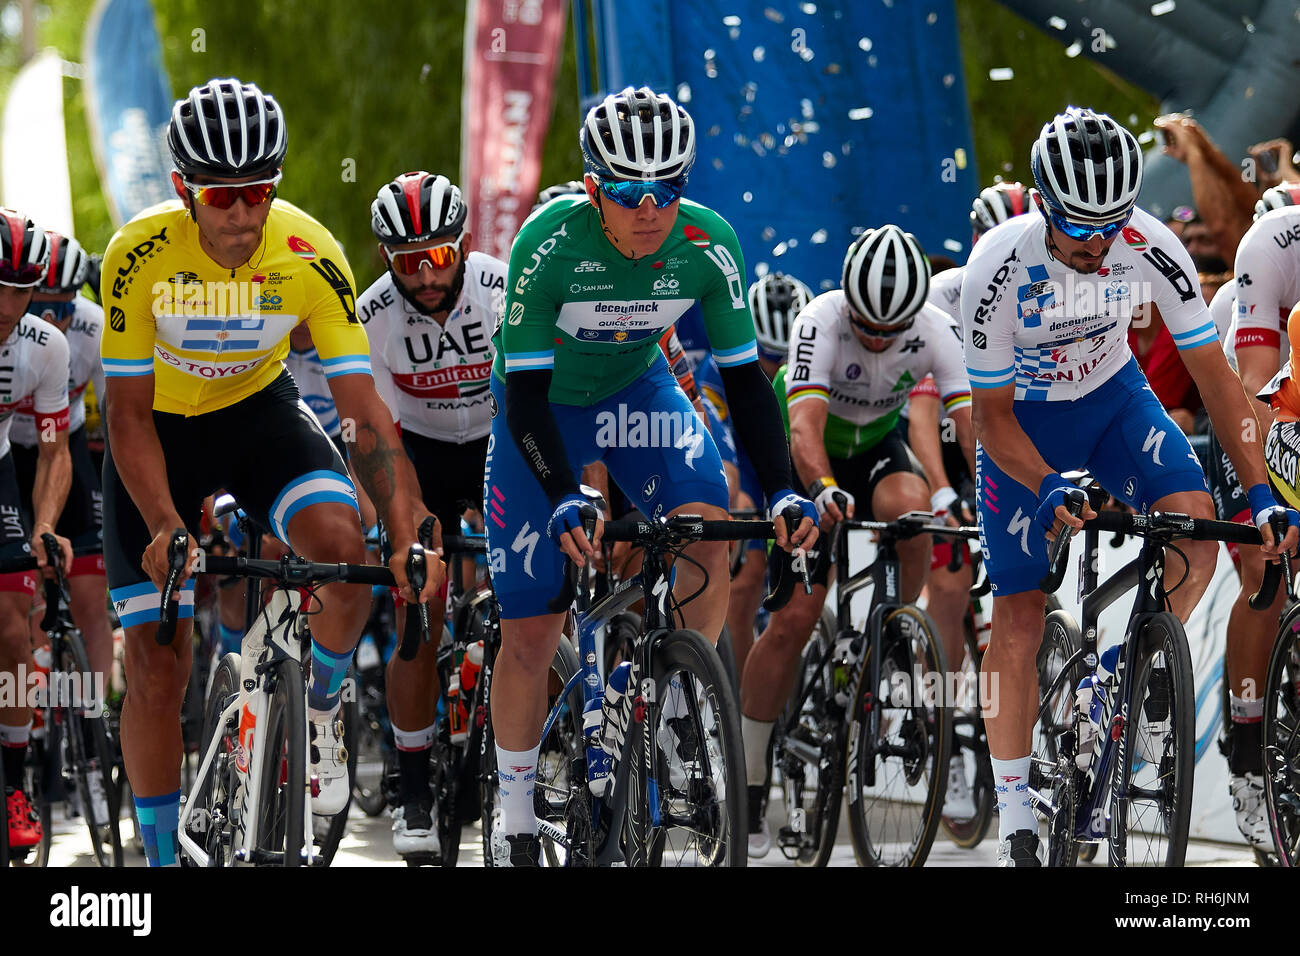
586, 265
666, 284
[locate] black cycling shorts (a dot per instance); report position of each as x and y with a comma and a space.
1225, 487
450, 475
267, 450
859, 476
82, 519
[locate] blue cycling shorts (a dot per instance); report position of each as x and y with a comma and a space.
648, 436
1119, 432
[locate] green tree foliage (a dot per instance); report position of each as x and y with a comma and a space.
1008, 114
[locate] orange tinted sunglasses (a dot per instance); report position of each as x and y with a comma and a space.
439, 257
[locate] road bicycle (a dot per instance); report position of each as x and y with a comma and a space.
1281, 728
1122, 773
647, 769
251, 798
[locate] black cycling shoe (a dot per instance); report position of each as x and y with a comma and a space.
516, 849
1020, 849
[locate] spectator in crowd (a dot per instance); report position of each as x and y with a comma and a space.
1224, 200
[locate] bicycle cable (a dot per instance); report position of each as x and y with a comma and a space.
678, 605
1187, 569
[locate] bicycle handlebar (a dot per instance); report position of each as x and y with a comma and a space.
55, 587
169, 610
1262, 599
1075, 499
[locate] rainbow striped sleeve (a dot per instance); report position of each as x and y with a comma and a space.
955, 400
797, 393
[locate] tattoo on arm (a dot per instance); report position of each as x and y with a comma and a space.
376, 462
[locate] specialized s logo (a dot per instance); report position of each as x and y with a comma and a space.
339, 283
1019, 525
526, 542
116, 319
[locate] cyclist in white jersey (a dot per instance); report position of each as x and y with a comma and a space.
854, 354
33, 366
430, 320
56, 300
1046, 305
1258, 301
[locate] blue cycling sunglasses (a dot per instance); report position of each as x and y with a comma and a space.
631, 193
1082, 233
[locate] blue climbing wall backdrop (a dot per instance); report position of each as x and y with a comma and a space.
815, 119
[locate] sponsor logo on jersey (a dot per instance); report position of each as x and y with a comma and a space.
913, 345
268, 300
620, 336
516, 313
134, 257
1171, 270
853, 371
721, 257
587, 265
979, 339
1041, 291
993, 292
1130, 486
1134, 238
116, 319
650, 487
442, 382
333, 275
696, 236
301, 248
535, 260
627, 308
578, 287
184, 278
666, 284
1287, 236
904, 381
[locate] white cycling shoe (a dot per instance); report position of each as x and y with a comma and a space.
414, 833
959, 804
329, 762
1248, 802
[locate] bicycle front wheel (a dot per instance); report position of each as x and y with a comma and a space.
1282, 742
283, 798
1053, 774
970, 740
88, 752
686, 783
899, 742
1150, 809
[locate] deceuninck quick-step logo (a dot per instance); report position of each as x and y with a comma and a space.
620, 322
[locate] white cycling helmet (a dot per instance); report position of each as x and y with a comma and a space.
886, 277
637, 134
229, 129
417, 207
1087, 167
1276, 197
68, 265
774, 301
997, 203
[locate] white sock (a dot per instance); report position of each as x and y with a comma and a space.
1015, 806
415, 739
516, 775
1245, 711
755, 734
673, 704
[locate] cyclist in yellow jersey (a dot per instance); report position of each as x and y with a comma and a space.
201, 295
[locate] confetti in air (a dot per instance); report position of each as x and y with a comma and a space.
1163, 7
1001, 73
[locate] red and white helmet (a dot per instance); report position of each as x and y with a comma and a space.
997, 203
68, 265
1278, 197
24, 250
417, 207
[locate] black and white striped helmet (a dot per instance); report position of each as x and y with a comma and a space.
637, 134
227, 129
68, 267
774, 301
417, 207
1087, 166
574, 187
997, 203
886, 276
1278, 197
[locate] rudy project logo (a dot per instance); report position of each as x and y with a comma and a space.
116, 319
696, 236
301, 248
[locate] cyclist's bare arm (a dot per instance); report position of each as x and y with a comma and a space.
808, 446
50, 490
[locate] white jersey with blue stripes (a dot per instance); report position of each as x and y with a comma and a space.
309, 373
1058, 334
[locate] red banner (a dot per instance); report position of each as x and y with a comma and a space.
512, 51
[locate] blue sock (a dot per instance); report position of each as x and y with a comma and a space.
231, 640
327, 672
158, 817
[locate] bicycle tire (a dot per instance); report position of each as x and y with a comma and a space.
218, 793
921, 752
106, 838
553, 789
1162, 647
1058, 780
699, 774
284, 767
1281, 733
820, 720
969, 833
727, 654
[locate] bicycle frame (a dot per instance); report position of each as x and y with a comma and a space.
1148, 568
259, 653
608, 810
